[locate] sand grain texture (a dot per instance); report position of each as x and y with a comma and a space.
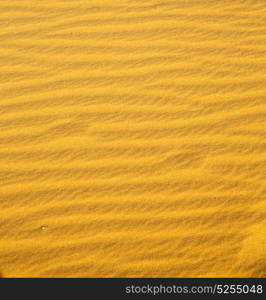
132, 138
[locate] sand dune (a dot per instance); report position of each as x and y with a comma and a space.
132, 138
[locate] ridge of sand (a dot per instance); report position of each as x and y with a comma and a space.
132, 138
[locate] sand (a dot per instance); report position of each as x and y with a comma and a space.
132, 138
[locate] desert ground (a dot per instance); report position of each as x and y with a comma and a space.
132, 138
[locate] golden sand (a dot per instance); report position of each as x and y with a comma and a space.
132, 138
